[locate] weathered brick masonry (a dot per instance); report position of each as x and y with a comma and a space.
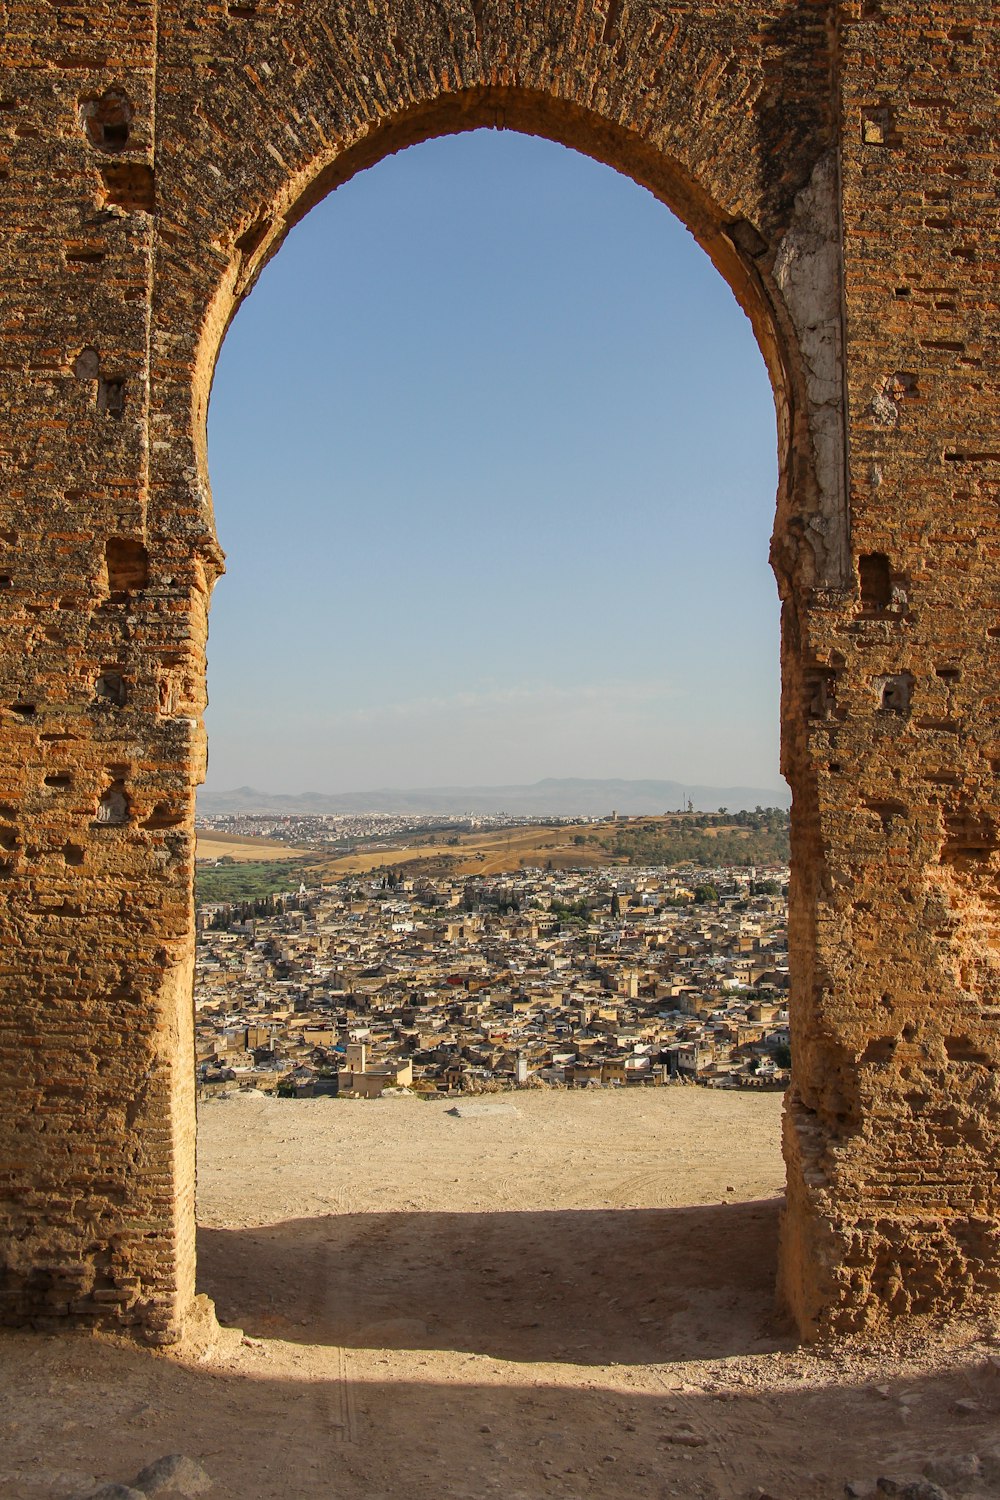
840, 165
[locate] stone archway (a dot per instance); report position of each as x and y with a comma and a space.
176, 149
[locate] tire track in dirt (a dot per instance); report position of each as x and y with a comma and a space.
739, 1458
334, 1401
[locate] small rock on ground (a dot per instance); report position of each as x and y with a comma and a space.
960, 1471
174, 1474
474, 1111
911, 1489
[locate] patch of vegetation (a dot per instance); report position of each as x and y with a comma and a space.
571, 913
707, 839
249, 880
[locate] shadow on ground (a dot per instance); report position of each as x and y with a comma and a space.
599, 1287
288, 1423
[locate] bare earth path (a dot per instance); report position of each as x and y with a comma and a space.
565, 1295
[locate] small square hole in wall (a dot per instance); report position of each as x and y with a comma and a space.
876, 582
114, 807
895, 693
127, 564
111, 398
130, 185
820, 693
108, 120
110, 688
902, 385
878, 126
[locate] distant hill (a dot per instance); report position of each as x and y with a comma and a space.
567, 797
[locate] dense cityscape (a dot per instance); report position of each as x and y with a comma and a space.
360, 830
605, 977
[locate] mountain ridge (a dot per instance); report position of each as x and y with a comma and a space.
571, 796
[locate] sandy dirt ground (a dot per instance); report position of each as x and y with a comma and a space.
567, 1295
215, 846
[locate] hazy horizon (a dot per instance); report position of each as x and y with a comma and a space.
475, 785
551, 796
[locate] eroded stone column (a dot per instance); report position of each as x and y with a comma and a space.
892, 1126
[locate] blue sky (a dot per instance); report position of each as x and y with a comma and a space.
492, 449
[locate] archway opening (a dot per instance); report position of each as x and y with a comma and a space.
380, 402
594, 504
